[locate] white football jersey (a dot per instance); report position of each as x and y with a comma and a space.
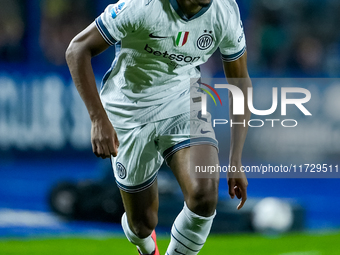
157, 51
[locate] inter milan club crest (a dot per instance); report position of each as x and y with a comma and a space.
205, 40
182, 38
121, 171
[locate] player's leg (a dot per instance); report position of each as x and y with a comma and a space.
141, 217
135, 170
184, 146
192, 226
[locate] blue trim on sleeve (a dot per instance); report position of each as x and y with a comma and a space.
188, 143
104, 32
235, 56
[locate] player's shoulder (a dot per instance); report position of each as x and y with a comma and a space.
139, 4
130, 5
227, 13
227, 4
227, 7
136, 10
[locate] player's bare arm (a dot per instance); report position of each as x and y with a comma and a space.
82, 48
237, 74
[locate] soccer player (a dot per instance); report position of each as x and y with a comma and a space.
148, 110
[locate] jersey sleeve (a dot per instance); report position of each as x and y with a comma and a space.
233, 44
119, 19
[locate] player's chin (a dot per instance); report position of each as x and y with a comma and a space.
203, 3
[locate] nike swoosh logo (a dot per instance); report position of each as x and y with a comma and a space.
157, 37
179, 252
204, 132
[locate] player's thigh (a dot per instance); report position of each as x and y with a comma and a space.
142, 208
138, 160
199, 190
135, 170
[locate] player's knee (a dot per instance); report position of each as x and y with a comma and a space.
143, 226
203, 204
203, 200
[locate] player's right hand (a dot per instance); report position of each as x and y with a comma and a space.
104, 138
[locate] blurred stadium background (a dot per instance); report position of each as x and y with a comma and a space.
45, 130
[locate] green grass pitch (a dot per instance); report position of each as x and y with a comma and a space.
292, 244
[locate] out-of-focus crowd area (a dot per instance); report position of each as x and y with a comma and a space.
294, 37
284, 38
49, 25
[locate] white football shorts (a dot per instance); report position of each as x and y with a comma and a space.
143, 149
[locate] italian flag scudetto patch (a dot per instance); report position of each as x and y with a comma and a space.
182, 38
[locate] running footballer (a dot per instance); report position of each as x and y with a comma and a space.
148, 110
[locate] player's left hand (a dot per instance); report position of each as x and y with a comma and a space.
238, 184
